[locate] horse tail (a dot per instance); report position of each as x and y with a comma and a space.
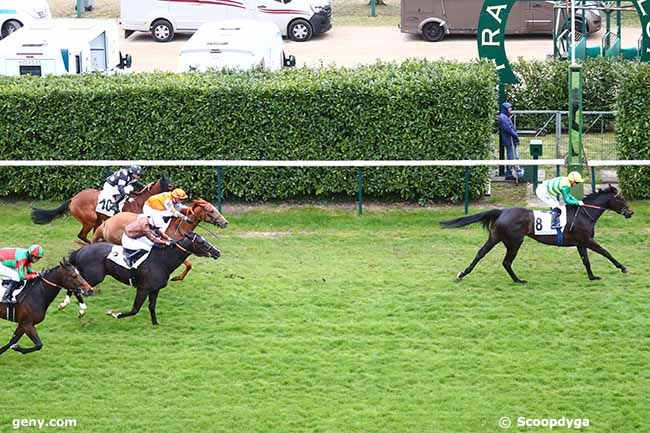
486, 218
44, 216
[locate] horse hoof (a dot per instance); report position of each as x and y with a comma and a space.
176, 279
81, 314
521, 282
595, 278
15, 347
459, 276
624, 270
112, 314
62, 306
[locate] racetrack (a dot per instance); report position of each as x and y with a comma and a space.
320, 321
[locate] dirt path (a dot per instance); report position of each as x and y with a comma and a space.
349, 46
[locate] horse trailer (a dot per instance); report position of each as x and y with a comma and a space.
434, 19
63, 47
234, 44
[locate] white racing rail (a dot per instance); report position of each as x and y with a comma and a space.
359, 164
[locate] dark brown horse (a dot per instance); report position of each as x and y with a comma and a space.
34, 300
511, 226
152, 275
82, 206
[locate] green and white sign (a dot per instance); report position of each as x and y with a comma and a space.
492, 29
491, 36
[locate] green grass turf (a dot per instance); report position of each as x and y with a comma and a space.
317, 320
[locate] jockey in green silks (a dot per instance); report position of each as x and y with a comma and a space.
549, 191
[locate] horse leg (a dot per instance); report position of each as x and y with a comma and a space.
140, 296
585, 261
595, 247
486, 248
188, 267
14, 339
33, 335
512, 246
66, 301
82, 305
153, 296
83, 233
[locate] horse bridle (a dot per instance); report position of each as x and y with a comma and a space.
184, 249
45, 280
592, 206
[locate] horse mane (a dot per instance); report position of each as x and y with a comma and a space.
147, 187
609, 190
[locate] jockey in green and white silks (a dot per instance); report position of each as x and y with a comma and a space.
550, 190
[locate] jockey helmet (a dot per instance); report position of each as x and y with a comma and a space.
575, 177
136, 170
179, 194
36, 251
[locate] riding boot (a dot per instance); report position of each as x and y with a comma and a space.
11, 285
116, 202
555, 218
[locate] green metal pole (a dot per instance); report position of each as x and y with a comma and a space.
593, 179
219, 187
618, 19
360, 191
575, 124
80, 8
535, 174
466, 190
373, 8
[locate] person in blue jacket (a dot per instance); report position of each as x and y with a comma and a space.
510, 139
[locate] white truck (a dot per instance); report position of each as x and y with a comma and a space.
15, 14
63, 47
234, 44
297, 19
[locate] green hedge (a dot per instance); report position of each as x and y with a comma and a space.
544, 84
633, 130
416, 110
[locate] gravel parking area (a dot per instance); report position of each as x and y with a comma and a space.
353, 45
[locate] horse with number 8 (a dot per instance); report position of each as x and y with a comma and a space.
511, 226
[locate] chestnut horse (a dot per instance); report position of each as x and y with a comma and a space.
82, 206
112, 229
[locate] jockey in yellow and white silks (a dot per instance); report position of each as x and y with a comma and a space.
161, 207
550, 190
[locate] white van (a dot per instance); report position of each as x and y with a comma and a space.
63, 47
234, 44
15, 14
298, 19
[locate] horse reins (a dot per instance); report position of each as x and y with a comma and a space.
581, 208
45, 280
184, 249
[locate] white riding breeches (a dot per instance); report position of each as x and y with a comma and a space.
141, 243
158, 217
8, 273
545, 196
